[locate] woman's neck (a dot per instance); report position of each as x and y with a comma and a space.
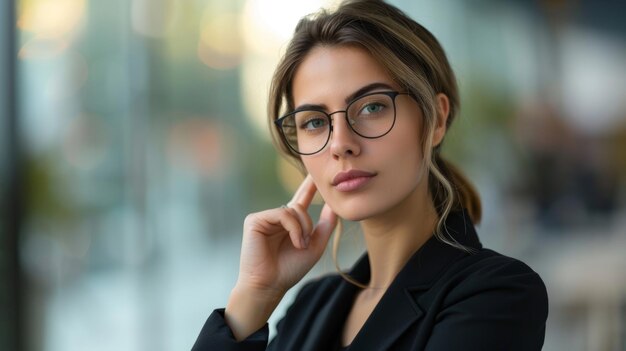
393, 237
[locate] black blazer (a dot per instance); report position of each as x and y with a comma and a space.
443, 299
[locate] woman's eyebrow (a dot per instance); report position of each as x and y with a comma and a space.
361, 91
366, 89
321, 107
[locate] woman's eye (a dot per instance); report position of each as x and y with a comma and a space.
372, 108
314, 123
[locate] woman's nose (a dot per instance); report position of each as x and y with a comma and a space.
343, 140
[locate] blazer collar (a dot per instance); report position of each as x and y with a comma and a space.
430, 259
398, 308
328, 324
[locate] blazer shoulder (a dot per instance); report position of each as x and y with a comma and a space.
490, 264
493, 275
487, 293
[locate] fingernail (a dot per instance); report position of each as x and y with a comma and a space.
303, 243
307, 240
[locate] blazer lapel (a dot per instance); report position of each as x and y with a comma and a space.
398, 309
329, 321
396, 312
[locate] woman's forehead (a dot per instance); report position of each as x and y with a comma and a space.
336, 72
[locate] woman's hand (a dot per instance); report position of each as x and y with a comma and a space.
279, 247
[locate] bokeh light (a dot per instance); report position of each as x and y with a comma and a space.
49, 26
220, 43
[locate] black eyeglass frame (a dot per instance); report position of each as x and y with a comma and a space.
392, 94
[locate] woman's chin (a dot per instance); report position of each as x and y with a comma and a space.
356, 208
353, 214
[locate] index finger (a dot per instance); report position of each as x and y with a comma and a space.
305, 193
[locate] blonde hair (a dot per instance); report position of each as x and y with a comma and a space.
414, 59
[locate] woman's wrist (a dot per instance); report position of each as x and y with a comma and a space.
249, 309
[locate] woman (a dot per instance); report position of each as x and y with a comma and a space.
362, 100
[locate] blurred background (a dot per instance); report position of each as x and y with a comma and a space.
134, 142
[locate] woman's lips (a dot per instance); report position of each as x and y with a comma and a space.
351, 180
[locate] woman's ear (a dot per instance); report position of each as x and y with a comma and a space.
443, 111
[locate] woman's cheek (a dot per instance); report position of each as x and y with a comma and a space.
322, 187
324, 193
325, 196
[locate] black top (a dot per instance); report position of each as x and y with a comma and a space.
442, 299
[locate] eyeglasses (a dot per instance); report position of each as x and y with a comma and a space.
371, 116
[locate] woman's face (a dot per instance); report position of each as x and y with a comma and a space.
392, 164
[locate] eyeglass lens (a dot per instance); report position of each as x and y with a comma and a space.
370, 116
